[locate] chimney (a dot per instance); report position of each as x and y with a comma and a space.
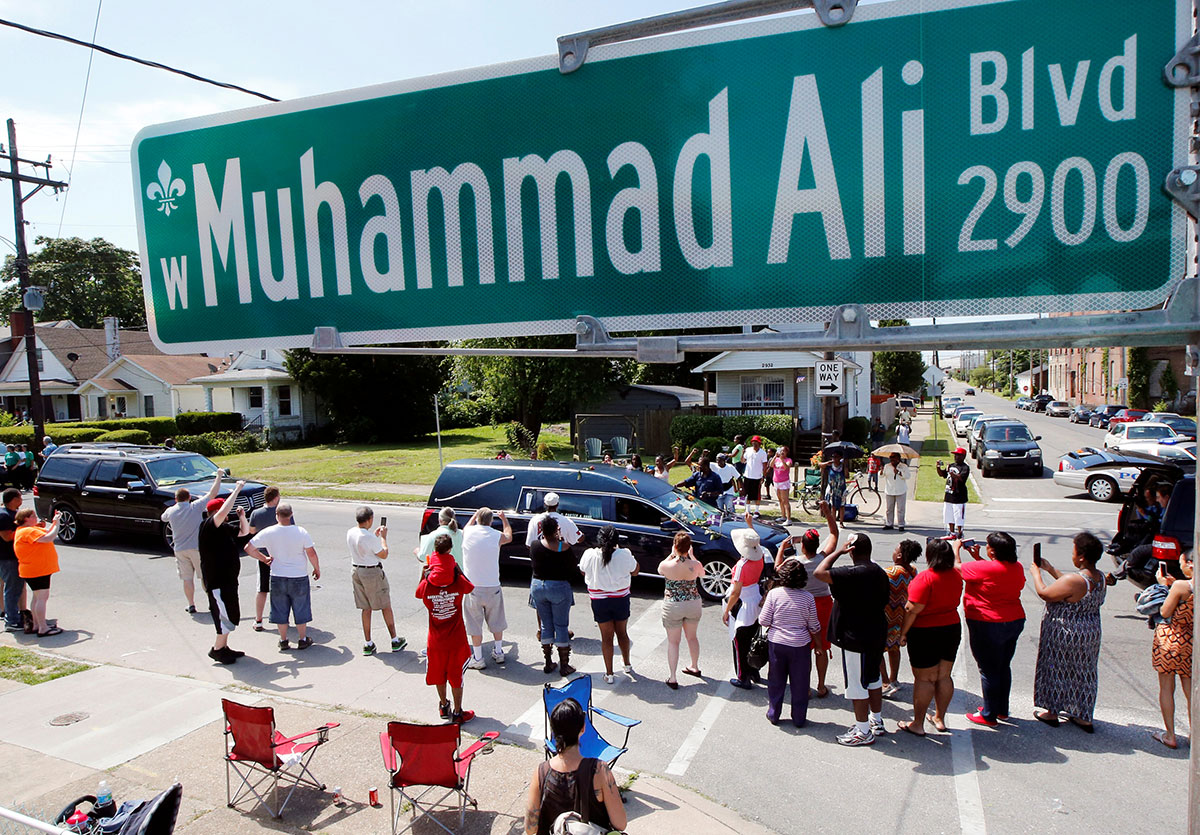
112, 337
16, 324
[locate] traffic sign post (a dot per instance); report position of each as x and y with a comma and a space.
969, 159
830, 378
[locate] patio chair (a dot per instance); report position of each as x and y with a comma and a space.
259, 754
594, 448
591, 743
620, 446
429, 756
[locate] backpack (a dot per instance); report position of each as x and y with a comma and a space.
570, 823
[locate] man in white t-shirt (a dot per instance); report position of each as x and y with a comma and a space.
567, 530
485, 604
368, 548
729, 475
755, 460
289, 548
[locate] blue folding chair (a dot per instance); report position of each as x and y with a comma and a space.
591, 744
620, 446
594, 448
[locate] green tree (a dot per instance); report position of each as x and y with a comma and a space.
1138, 376
85, 281
532, 390
897, 372
372, 399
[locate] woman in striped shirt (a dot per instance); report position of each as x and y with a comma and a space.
789, 614
607, 571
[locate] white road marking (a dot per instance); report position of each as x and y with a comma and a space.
1014, 511
692, 742
962, 757
1042, 501
647, 636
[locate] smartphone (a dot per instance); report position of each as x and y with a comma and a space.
383, 521
851, 539
1037, 554
968, 543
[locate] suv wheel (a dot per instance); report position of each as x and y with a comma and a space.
714, 583
168, 537
69, 528
1103, 489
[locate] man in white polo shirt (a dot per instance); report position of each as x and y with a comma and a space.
756, 462
288, 548
481, 563
368, 548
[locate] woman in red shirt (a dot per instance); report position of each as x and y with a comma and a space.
932, 633
992, 600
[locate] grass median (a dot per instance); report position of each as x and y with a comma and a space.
31, 668
931, 487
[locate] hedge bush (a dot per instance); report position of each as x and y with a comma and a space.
687, 429
738, 425
61, 435
857, 430
774, 426
220, 443
158, 428
124, 436
201, 423
712, 443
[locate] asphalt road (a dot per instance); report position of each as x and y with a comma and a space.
120, 602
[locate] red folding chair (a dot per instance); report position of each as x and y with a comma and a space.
428, 756
259, 754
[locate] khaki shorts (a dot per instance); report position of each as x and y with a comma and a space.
674, 612
371, 590
188, 563
485, 604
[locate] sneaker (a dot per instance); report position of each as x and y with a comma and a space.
14, 627
979, 719
444, 710
236, 653
304, 643
877, 728
222, 656
744, 685
191, 610
258, 626
462, 717
887, 527
498, 656
476, 663
901, 529
369, 649
609, 678
398, 644
284, 644
854, 737
628, 669
423, 653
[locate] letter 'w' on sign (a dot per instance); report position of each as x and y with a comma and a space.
925, 159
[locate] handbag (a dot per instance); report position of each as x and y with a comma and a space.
758, 654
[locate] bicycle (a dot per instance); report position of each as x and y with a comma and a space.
862, 495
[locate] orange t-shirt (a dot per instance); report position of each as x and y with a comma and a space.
35, 559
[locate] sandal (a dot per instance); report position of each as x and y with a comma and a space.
1047, 718
53, 630
688, 671
938, 725
822, 692
674, 685
1086, 727
907, 726
1161, 736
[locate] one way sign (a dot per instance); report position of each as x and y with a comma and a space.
829, 378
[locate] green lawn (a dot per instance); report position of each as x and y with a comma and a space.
930, 486
30, 668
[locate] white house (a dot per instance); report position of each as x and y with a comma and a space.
146, 385
257, 385
1025, 380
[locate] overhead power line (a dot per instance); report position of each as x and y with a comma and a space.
79, 124
60, 37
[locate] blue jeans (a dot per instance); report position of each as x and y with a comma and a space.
13, 584
725, 502
291, 594
993, 645
553, 600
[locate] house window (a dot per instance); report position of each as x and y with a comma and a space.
762, 391
40, 366
262, 355
255, 397
285, 401
148, 405
122, 405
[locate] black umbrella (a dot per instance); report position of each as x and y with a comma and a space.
847, 449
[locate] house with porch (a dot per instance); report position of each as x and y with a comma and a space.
146, 385
256, 384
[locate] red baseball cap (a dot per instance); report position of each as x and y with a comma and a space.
214, 505
960, 451
756, 440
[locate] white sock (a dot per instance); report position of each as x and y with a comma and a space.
477, 651
498, 647
877, 718
370, 643
863, 727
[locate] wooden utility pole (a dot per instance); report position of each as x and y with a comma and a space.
14, 174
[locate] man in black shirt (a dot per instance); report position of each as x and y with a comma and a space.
10, 578
220, 564
954, 509
859, 626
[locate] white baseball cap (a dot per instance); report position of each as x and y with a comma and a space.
550, 500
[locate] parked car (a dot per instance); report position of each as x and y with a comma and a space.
1023, 402
1080, 414
1102, 414
124, 487
646, 512
1122, 434
904, 402
1127, 416
1008, 446
1039, 402
1176, 530
976, 429
1168, 449
970, 392
962, 420
1104, 475
1058, 408
1184, 427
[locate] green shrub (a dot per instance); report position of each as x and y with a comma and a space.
220, 443
735, 425
857, 430
159, 428
687, 429
544, 453
199, 423
519, 437
709, 442
775, 426
62, 434
1161, 406
124, 436
460, 411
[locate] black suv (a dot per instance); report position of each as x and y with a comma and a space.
1176, 531
1006, 446
124, 487
1039, 401
647, 512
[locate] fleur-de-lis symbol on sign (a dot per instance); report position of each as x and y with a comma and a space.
166, 190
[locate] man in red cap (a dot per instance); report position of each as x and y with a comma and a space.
442, 589
954, 507
220, 563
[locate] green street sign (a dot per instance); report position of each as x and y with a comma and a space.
931, 157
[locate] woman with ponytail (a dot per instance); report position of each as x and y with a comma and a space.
607, 571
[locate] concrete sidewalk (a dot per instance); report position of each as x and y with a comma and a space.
142, 731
